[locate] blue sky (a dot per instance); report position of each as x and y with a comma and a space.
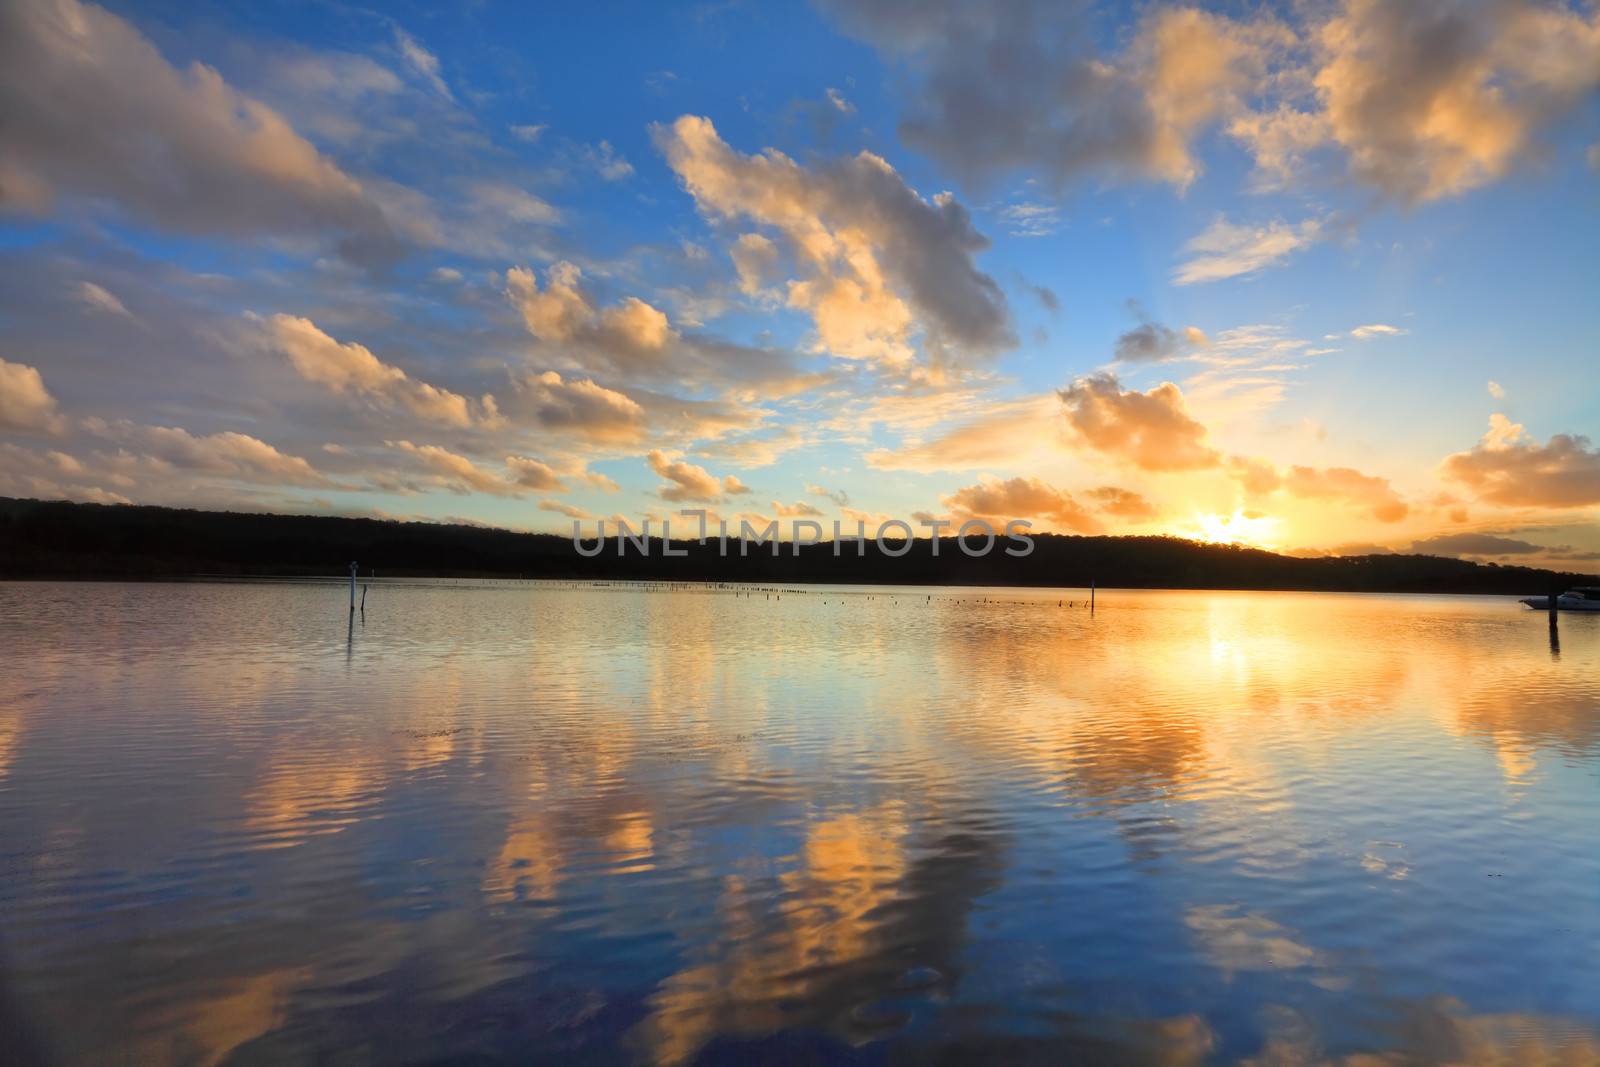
1232, 273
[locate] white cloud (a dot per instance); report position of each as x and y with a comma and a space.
102, 299
1375, 329
1227, 250
25, 404
424, 62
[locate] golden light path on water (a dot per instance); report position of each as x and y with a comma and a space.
650, 824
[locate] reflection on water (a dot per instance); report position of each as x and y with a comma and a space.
612, 824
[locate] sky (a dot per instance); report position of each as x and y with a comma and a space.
1319, 277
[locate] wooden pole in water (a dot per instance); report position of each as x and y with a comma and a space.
1091, 596
353, 568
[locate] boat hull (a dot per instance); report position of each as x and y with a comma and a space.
1564, 603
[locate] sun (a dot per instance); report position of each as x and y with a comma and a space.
1240, 528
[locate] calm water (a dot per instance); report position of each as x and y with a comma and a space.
608, 824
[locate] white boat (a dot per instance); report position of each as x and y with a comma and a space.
1583, 598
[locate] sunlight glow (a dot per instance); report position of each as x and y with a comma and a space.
1256, 530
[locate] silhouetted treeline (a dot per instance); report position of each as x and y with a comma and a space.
48, 539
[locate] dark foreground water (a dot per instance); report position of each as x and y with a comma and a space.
604, 824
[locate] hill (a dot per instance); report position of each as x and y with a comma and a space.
55, 539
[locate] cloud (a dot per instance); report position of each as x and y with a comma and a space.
1151, 430
1376, 329
839, 497
528, 133
1008, 433
691, 483
228, 454
1430, 100
458, 474
877, 262
350, 368
755, 258
629, 335
1151, 342
1496, 390
1256, 476
25, 404
1350, 486
93, 110
584, 408
102, 299
1123, 503
1021, 498
1476, 544
571, 511
604, 161
424, 62
1019, 86
1506, 467
1419, 100
798, 510
1029, 219
508, 203
1227, 250
532, 473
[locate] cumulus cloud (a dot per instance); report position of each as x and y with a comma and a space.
91, 109
1228, 250
456, 473
755, 258
25, 404
1419, 100
877, 262
1123, 503
1256, 476
629, 335
1151, 342
228, 454
584, 408
530, 473
1020, 86
998, 502
798, 510
1508, 467
690, 483
1152, 430
1430, 100
1496, 390
1349, 486
350, 368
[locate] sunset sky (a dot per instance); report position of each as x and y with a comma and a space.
1313, 276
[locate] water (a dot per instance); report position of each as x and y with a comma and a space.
525, 822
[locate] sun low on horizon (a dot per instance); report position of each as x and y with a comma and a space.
1318, 278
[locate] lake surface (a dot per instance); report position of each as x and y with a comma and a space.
527, 822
